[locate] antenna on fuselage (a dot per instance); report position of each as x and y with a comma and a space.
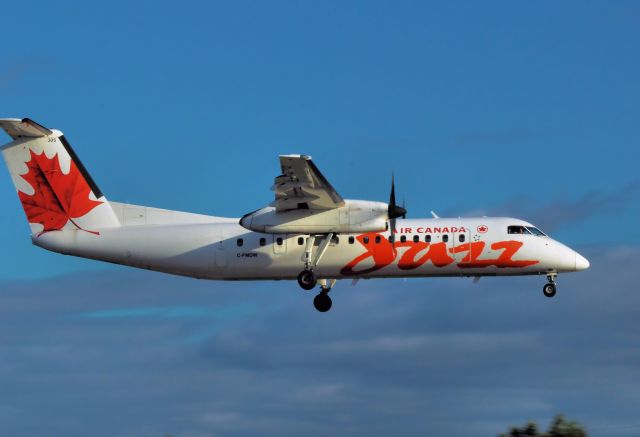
434, 215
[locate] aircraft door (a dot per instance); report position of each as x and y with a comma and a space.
279, 244
220, 252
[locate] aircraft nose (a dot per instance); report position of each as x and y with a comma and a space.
581, 262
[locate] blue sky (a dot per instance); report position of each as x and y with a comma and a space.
472, 105
512, 108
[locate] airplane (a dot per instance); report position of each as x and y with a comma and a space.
309, 232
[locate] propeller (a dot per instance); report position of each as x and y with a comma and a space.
394, 211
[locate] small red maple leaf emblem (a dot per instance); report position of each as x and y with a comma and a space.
58, 197
482, 229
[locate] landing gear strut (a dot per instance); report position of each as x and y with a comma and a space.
322, 302
306, 278
549, 288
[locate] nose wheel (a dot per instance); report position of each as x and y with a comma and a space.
549, 288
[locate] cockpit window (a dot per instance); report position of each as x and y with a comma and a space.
518, 230
537, 232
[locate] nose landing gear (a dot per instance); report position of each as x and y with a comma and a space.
549, 288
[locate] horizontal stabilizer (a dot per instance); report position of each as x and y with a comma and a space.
26, 127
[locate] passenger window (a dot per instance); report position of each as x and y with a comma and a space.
239, 242
263, 241
427, 238
351, 240
445, 238
403, 238
377, 239
366, 240
300, 241
461, 238
335, 239
279, 241
392, 238
416, 238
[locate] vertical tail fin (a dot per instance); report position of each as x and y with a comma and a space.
55, 189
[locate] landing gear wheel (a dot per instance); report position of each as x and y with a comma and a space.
322, 302
307, 280
549, 289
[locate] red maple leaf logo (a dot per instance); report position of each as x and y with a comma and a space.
58, 197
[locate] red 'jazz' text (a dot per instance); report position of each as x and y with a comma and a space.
419, 253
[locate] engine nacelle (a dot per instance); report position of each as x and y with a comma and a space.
354, 216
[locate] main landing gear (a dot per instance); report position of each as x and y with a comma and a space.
307, 279
322, 302
549, 288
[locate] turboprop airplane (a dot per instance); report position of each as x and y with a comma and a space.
308, 232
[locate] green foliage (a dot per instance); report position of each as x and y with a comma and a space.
560, 427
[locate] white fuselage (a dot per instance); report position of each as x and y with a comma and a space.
219, 248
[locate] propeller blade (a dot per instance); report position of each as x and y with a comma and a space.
394, 211
392, 230
392, 197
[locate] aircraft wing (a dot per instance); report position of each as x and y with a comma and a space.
302, 186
